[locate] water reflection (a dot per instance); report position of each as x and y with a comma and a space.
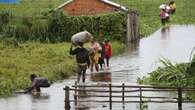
101, 77
165, 32
132, 47
40, 96
81, 96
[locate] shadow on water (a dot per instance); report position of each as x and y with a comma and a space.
140, 58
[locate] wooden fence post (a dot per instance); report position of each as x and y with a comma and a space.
75, 94
123, 93
110, 96
140, 95
67, 100
132, 26
179, 98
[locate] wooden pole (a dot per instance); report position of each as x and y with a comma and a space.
132, 26
140, 95
75, 94
67, 100
110, 96
179, 98
123, 95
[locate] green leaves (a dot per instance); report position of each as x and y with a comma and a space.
171, 75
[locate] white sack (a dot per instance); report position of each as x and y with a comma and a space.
83, 36
162, 6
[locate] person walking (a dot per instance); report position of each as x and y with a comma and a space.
101, 58
108, 51
82, 59
163, 16
172, 6
94, 55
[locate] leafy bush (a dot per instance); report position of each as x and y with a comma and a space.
59, 27
5, 17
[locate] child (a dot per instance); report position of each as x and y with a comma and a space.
94, 54
163, 16
108, 51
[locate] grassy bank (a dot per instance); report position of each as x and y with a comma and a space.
172, 74
149, 13
49, 60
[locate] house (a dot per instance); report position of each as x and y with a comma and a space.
90, 7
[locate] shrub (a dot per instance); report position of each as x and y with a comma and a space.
59, 27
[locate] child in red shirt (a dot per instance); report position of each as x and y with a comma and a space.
108, 51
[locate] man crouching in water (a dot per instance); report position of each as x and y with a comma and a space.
34, 86
82, 59
37, 83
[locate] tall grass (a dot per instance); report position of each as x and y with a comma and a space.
171, 75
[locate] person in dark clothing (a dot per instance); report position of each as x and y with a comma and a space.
82, 59
101, 58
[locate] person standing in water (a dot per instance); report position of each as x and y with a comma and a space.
108, 51
94, 54
101, 58
82, 59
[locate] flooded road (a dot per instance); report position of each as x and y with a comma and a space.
174, 43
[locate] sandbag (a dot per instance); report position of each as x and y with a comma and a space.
42, 82
83, 36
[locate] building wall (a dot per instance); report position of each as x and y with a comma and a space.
87, 7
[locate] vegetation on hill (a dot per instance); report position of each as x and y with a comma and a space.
31, 8
149, 13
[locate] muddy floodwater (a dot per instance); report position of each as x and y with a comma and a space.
174, 43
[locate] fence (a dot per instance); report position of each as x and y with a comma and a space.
122, 92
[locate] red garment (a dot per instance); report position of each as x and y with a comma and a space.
162, 14
108, 50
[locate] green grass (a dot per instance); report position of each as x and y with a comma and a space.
149, 13
49, 60
31, 7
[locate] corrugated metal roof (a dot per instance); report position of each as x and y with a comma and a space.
115, 5
123, 8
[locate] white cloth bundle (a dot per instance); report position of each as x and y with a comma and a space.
83, 36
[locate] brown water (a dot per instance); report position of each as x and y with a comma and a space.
174, 43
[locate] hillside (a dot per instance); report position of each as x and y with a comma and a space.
31, 7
